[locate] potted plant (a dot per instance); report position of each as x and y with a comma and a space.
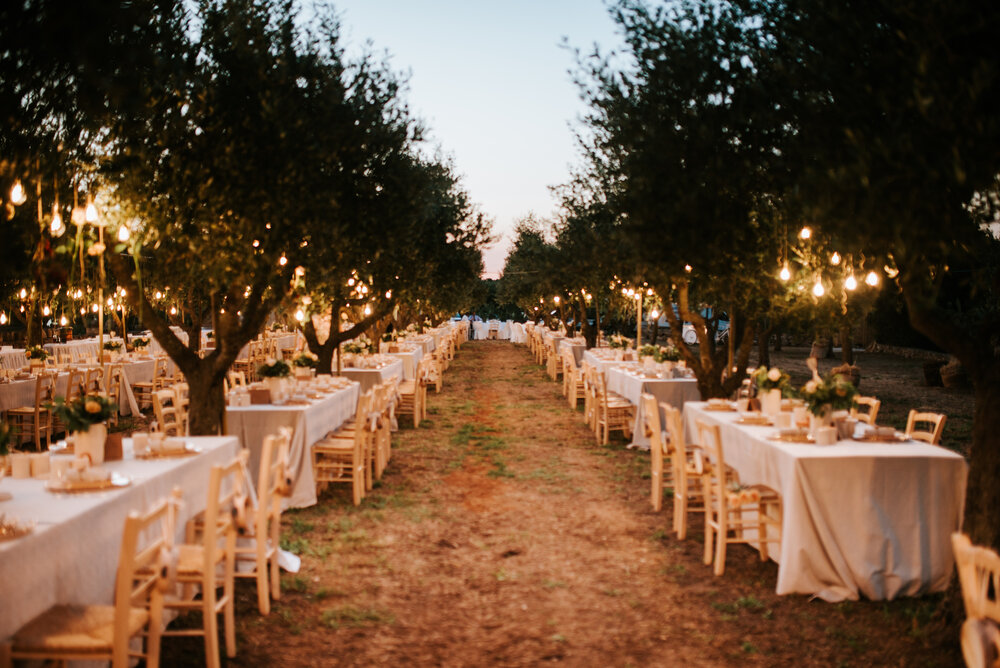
86, 418
771, 383
274, 373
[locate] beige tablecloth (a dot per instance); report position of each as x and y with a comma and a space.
369, 378
72, 555
860, 519
674, 391
310, 422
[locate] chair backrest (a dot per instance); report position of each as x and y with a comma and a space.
979, 576
651, 424
274, 481
934, 420
237, 379
871, 404
94, 382
165, 410
141, 571
711, 443
226, 493
75, 384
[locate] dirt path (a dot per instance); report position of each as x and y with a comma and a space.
502, 534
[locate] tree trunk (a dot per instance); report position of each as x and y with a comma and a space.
846, 348
763, 352
982, 497
208, 397
33, 323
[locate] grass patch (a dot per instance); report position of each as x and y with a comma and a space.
300, 526
353, 616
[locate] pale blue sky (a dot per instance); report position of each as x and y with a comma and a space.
492, 82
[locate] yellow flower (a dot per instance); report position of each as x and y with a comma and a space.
92, 406
841, 391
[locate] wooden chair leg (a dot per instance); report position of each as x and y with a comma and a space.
211, 623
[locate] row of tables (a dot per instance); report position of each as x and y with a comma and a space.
71, 555
860, 518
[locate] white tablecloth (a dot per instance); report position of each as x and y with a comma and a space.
72, 555
81, 349
517, 333
310, 422
369, 378
410, 358
860, 519
676, 392
13, 358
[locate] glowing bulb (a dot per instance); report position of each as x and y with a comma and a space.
687, 268
300, 271
83, 311
57, 228
3, 318
805, 233
91, 213
78, 216
785, 274
851, 283
368, 309
123, 233
23, 293
46, 310
94, 308
388, 294
654, 314
818, 289
649, 292
158, 295
350, 282
17, 194
556, 299
625, 292
111, 302
282, 260
63, 321
871, 279
835, 258
300, 315
173, 310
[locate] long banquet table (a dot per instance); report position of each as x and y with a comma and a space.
310, 423
72, 555
625, 378
369, 378
410, 357
860, 518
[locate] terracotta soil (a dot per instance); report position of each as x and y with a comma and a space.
502, 534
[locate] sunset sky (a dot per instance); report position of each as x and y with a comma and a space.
493, 82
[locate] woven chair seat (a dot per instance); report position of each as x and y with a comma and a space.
76, 629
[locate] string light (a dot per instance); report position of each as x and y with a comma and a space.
835, 258
123, 233
300, 315
785, 274
818, 289
94, 308
90, 214
173, 310
851, 283
687, 268
63, 321
158, 295
871, 279
805, 233
57, 228
24, 293
46, 310
3, 318
368, 309
654, 314
17, 194
282, 261
556, 299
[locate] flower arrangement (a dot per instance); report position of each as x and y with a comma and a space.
649, 351
669, 353
833, 390
306, 361
358, 346
84, 411
140, 342
272, 368
112, 345
36, 353
771, 379
619, 342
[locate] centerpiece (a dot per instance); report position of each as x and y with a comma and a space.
274, 373
36, 354
140, 342
358, 346
825, 395
305, 364
113, 348
771, 383
86, 418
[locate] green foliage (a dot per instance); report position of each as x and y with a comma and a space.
83, 411
770, 379
833, 391
305, 360
36, 353
276, 369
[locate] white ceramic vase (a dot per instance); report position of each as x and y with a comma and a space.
770, 402
91, 443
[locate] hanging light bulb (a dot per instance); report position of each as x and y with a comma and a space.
46, 310
123, 233
350, 282
17, 194
687, 268
818, 289
158, 295
83, 311
556, 299
94, 308
654, 314
3, 318
90, 214
78, 216
871, 279
57, 228
835, 258
805, 233
282, 261
63, 321
851, 283
388, 294
23, 293
785, 274
368, 309
173, 310
300, 315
